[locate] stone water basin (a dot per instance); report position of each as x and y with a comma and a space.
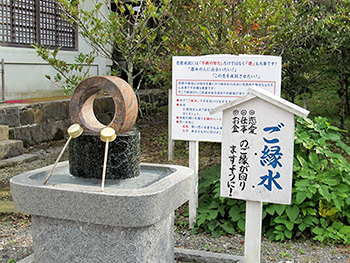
131, 221
134, 202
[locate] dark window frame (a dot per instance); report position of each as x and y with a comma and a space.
27, 22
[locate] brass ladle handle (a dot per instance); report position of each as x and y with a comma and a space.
107, 135
74, 131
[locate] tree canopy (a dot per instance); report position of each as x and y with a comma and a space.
312, 36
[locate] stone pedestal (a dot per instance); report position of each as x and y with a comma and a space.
86, 155
130, 222
57, 241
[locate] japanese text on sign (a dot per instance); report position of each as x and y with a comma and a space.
257, 153
202, 83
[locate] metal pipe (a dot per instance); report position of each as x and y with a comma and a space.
3, 80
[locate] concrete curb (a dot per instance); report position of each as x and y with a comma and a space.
189, 255
186, 255
28, 259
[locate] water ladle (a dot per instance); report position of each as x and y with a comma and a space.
74, 131
107, 135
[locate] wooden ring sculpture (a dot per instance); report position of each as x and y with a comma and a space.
81, 105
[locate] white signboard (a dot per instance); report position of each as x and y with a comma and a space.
257, 152
205, 82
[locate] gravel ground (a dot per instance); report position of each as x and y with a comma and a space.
16, 241
303, 251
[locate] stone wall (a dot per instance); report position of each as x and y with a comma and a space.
46, 121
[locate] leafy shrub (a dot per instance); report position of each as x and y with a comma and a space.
217, 215
320, 202
68, 76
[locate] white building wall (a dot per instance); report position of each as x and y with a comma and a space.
24, 71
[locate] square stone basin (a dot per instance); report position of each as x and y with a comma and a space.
134, 202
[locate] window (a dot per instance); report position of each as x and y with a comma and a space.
23, 23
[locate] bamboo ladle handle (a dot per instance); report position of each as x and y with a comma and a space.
107, 135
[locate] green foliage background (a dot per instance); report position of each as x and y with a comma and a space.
320, 202
311, 36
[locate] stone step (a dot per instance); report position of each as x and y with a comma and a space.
13, 161
4, 132
10, 148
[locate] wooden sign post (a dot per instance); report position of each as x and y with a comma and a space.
257, 156
253, 221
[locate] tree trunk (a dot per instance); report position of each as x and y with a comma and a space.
130, 70
343, 95
305, 100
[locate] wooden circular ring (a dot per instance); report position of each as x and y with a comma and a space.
81, 106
